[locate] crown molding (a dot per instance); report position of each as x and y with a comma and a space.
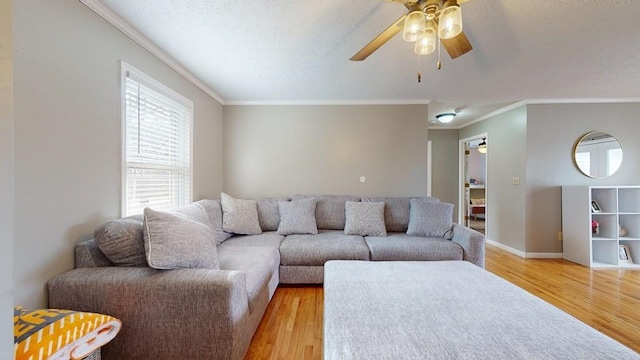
141, 40
334, 102
496, 113
537, 102
580, 101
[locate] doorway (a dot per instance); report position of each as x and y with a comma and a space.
474, 182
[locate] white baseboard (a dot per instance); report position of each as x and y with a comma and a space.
523, 254
506, 248
543, 256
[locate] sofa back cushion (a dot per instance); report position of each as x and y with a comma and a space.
330, 210
88, 254
268, 213
396, 211
214, 214
431, 219
121, 241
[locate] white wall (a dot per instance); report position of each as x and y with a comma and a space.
283, 150
506, 159
67, 134
6, 180
552, 132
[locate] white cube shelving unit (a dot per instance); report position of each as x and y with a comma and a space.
619, 205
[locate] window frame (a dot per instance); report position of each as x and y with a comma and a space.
126, 70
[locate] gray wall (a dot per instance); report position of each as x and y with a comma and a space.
282, 150
68, 137
535, 143
6, 180
444, 166
552, 131
506, 159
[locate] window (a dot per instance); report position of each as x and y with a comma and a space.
583, 159
157, 145
614, 157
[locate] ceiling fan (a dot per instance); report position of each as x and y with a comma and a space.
426, 21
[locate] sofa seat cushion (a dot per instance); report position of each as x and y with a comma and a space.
403, 247
259, 263
322, 247
265, 239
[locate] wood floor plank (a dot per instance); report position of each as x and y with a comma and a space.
608, 300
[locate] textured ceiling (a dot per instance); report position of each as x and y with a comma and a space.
283, 51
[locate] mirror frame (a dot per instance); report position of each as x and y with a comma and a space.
582, 138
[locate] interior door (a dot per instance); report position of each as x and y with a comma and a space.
466, 189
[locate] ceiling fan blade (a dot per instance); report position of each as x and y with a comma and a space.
380, 40
457, 46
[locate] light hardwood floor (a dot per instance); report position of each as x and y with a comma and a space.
608, 300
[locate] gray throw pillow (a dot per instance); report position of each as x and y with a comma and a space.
297, 217
121, 241
365, 219
430, 219
239, 216
173, 241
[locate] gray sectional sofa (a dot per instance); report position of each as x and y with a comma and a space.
210, 307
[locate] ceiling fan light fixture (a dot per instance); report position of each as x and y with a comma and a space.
450, 24
414, 26
445, 118
427, 44
482, 147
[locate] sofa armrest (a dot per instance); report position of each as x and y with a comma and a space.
472, 243
165, 314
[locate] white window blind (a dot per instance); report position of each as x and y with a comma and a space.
583, 159
157, 145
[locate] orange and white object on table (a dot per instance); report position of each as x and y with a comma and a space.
60, 334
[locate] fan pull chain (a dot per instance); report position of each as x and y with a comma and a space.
439, 64
419, 70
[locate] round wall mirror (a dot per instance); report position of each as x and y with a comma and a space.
598, 154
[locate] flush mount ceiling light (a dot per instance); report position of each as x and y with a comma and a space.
482, 147
428, 23
446, 118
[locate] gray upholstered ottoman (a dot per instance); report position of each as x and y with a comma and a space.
447, 310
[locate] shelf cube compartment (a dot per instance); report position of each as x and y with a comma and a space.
608, 226
629, 200
605, 252
606, 198
631, 224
